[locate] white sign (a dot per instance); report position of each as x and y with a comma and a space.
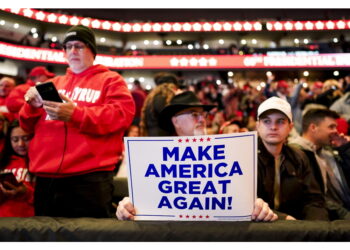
202, 178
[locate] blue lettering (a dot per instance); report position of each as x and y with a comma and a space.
193, 187
199, 170
217, 172
196, 204
169, 171
164, 187
209, 187
216, 202
203, 153
185, 170
217, 152
188, 154
180, 187
180, 203
164, 202
151, 170
224, 185
167, 152
236, 169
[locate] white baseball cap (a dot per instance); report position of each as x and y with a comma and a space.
277, 104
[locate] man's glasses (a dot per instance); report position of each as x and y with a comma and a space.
78, 47
195, 115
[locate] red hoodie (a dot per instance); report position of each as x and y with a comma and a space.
20, 206
93, 139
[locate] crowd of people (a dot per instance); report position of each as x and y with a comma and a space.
65, 155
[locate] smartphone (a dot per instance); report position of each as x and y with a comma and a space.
10, 178
48, 92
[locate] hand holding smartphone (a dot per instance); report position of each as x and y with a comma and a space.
48, 92
10, 178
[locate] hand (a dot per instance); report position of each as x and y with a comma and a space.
289, 217
58, 110
33, 98
338, 140
262, 212
10, 191
125, 210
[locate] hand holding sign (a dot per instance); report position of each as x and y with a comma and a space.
262, 211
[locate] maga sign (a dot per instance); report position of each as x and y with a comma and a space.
193, 178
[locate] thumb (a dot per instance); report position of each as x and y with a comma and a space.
65, 98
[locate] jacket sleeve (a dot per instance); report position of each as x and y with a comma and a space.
116, 111
344, 161
314, 201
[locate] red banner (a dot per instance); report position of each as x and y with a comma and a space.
339, 60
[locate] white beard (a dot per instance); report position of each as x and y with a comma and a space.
200, 131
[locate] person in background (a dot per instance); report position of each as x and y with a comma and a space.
233, 126
329, 154
7, 84
185, 115
331, 92
3, 130
139, 95
285, 179
157, 99
15, 99
77, 142
16, 201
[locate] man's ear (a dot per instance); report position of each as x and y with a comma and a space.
174, 121
312, 127
256, 124
291, 125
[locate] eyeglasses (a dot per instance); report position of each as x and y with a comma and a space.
24, 138
77, 46
195, 115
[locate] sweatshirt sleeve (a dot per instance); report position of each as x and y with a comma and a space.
116, 111
15, 100
29, 116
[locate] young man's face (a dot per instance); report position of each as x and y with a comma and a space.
189, 122
79, 56
273, 127
323, 132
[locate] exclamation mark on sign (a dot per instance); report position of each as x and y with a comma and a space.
229, 202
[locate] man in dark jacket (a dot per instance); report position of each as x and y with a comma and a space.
285, 179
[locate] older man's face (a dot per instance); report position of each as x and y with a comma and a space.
79, 56
6, 87
189, 122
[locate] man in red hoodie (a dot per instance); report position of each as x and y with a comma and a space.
77, 142
15, 99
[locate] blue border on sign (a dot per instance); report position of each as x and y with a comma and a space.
217, 138
132, 189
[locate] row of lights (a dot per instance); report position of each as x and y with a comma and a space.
136, 27
308, 25
169, 42
180, 26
